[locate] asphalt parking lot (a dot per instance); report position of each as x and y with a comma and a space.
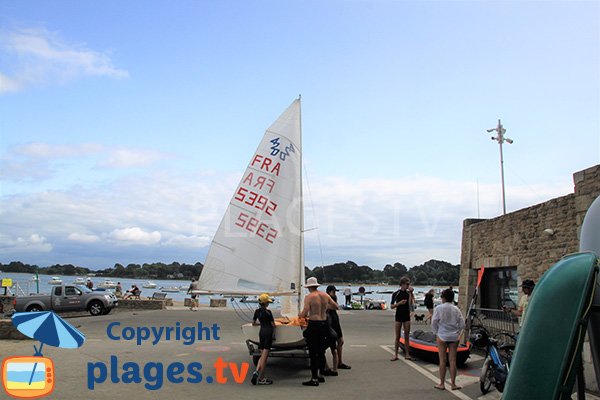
157, 368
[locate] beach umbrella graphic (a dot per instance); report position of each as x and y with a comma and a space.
48, 328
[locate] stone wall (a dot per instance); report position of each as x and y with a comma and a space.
519, 239
8, 331
142, 305
523, 239
6, 304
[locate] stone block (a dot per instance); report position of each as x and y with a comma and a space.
132, 304
8, 331
218, 302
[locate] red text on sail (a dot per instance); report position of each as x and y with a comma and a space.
254, 225
266, 164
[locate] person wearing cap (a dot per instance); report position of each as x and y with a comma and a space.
527, 286
316, 333
267, 328
338, 338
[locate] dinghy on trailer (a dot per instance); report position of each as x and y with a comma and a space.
259, 245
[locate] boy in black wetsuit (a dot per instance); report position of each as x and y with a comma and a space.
401, 301
265, 335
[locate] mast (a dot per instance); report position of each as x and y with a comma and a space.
302, 280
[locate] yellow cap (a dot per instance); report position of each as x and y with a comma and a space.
265, 298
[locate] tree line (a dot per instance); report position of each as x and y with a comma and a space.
174, 270
432, 272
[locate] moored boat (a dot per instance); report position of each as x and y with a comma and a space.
108, 284
55, 281
149, 285
169, 289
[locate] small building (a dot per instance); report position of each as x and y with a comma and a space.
523, 245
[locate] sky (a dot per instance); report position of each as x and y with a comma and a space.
126, 126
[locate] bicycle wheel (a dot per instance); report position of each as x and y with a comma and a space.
487, 374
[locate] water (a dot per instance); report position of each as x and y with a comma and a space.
29, 286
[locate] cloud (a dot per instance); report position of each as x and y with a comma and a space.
38, 161
167, 216
83, 238
40, 56
50, 151
8, 84
135, 235
130, 158
34, 243
191, 242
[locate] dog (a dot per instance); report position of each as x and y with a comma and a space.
420, 318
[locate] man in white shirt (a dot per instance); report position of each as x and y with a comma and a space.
348, 294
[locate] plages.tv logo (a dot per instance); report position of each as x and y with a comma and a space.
29, 377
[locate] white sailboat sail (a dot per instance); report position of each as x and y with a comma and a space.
258, 246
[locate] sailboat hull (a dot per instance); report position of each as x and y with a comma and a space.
286, 336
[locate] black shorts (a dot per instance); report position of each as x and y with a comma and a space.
193, 297
265, 337
403, 316
337, 329
332, 339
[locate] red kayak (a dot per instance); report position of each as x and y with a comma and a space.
424, 346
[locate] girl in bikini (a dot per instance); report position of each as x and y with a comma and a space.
447, 324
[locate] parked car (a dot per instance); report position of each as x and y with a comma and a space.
66, 298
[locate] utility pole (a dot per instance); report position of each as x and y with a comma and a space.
500, 138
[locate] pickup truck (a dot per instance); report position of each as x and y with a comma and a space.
67, 298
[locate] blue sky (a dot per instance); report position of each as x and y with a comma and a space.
125, 126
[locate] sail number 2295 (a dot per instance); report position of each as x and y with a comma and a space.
257, 227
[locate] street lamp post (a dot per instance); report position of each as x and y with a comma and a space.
500, 138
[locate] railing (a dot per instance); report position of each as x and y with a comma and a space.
20, 289
497, 322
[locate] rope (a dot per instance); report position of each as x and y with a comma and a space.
239, 312
316, 221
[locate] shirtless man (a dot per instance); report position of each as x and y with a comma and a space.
315, 309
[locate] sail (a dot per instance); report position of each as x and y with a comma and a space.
258, 245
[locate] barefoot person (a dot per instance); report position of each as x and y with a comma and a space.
337, 339
447, 324
316, 334
401, 301
265, 335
